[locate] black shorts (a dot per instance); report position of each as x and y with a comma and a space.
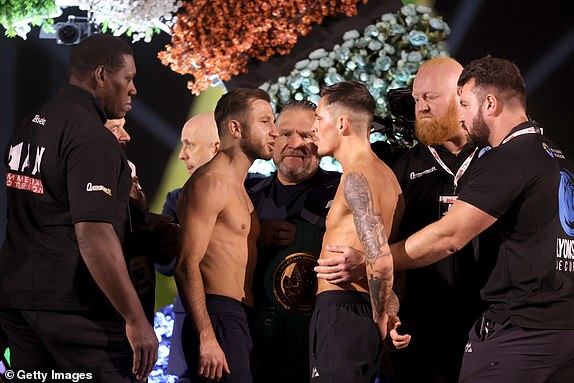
344, 341
229, 321
69, 342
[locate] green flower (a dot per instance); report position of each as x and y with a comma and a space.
386, 55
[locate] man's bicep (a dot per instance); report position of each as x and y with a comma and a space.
465, 221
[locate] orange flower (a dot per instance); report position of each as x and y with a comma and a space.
217, 38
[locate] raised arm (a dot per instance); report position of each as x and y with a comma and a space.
101, 251
198, 207
442, 238
371, 231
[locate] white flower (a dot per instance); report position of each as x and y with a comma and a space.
376, 57
141, 18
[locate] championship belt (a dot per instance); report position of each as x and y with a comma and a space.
290, 281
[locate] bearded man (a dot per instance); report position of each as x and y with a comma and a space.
440, 301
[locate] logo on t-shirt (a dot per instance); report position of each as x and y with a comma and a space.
552, 152
565, 246
566, 201
414, 175
91, 188
39, 120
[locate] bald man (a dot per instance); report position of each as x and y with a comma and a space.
431, 175
199, 143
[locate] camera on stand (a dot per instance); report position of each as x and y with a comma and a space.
399, 128
70, 32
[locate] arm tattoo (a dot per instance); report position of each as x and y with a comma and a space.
371, 230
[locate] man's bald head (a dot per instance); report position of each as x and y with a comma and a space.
200, 141
434, 91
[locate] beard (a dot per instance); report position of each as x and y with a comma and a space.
438, 130
252, 148
480, 132
301, 173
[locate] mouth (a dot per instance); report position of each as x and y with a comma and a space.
297, 155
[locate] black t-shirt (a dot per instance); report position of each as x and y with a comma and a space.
450, 286
528, 185
63, 167
308, 201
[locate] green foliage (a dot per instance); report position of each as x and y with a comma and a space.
14, 13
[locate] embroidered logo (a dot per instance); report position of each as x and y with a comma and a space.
552, 152
468, 347
90, 188
39, 120
414, 175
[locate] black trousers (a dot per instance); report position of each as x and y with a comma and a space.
68, 342
502, 352
344, 342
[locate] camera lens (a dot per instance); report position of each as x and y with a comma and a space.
68, 34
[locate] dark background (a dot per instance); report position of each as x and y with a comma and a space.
537, 35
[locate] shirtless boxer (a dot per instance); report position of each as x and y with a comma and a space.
345, 344
217, 243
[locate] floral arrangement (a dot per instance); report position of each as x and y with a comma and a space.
214, 39
386, 55
138, 19
163, 327
16, 16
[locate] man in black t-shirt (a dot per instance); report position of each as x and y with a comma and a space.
431, 176
525, 185
66, 300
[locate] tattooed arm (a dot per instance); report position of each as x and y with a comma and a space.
371, 231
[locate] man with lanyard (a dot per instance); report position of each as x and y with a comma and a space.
525, 184
431, 175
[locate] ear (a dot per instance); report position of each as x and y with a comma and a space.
234, 128
100, 76
215, 147
492, 105
343, 125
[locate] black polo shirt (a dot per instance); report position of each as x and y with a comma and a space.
63, 167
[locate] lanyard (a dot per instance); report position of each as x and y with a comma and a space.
460, 171
520, 132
